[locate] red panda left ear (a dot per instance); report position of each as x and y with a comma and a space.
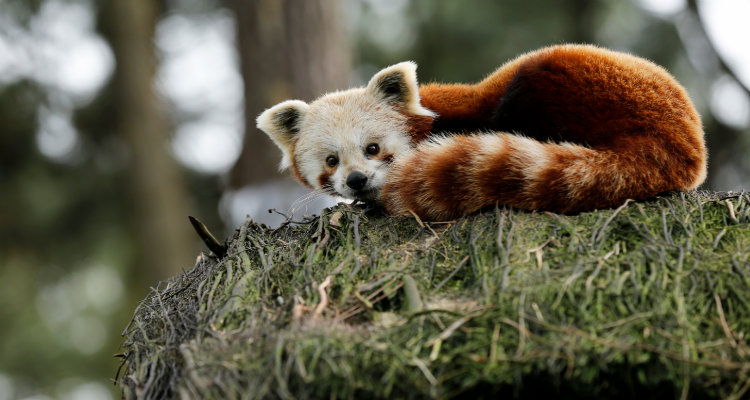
398, 85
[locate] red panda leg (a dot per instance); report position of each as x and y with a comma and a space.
453, 176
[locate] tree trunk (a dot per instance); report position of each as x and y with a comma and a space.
289, 49
158, 190
582, 21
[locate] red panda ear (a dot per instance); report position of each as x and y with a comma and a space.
398, 85
282, 123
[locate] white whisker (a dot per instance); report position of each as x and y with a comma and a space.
308, 198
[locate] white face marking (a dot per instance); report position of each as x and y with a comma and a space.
343, 125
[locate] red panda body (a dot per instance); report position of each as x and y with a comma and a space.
574, 128
566, 128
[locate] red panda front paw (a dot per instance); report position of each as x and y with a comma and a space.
404, 189
433, 180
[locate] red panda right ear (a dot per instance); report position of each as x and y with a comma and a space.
282, 123
398, 85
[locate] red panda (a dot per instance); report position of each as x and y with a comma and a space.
567, 128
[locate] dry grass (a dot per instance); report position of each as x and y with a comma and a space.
649, 300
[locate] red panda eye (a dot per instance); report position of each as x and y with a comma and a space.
332, 161
372, 149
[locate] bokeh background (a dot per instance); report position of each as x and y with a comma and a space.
118, 118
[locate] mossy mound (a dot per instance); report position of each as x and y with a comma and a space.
650, 300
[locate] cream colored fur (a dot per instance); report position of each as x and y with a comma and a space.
342, 124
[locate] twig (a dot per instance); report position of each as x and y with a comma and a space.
423, 367
724, 325
368, 305
447, 332
341, 264
493, 343
299, 309
452, 274
522, 331
357, 244
719, 236
371, 300
413, 300
324, 241
323, 297
209, 239
357, 240
730, 206
419, 220
597, 235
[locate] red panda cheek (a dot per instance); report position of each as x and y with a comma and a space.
298, 176
324, 180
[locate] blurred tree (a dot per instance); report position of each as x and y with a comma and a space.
289, 49
159, 193
582, 19
728, 146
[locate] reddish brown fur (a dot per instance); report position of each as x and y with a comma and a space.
633, 129
385, 157
298, 176
420, 126
324, 180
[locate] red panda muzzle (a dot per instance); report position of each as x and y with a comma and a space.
356, 180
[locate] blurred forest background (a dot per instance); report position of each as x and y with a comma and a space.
118, 118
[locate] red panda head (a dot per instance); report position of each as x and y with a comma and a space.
343, 143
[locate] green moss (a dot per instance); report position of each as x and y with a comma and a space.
648, 300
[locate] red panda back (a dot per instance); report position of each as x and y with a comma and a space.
590, 129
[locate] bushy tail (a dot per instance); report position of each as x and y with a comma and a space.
451, 176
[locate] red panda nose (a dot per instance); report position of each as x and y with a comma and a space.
356, 180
